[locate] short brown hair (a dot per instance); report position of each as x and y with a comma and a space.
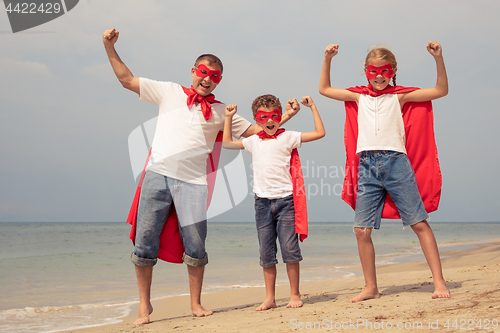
266, 101
212, 59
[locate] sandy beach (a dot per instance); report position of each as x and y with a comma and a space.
473, 277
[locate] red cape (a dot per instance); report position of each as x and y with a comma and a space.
299, 196
420, 147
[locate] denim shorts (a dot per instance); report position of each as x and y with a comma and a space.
158, 193
382, 172
275, 219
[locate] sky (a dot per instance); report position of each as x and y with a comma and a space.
65, 120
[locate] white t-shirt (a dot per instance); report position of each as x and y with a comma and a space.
271, 164
380, 124
183, 138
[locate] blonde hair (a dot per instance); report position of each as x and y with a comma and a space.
384, 54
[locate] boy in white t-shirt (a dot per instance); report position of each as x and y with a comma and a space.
271, 151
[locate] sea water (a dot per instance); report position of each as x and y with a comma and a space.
61, 276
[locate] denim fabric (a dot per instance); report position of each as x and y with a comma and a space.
275, 219
158, 193
382, 172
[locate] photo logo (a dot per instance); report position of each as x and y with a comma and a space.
231, 183
31, 13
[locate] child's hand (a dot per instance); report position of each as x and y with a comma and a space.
307, 101
331, 50
231, 110
435, 49
292, 107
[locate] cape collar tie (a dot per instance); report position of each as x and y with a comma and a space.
264, 135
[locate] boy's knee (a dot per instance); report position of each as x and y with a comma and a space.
362, 233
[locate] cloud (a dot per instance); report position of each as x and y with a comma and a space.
15, 67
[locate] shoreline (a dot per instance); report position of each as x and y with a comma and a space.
405, 287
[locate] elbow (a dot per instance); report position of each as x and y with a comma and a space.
442, 89
322, 90
127, 84
319, 135
445, 92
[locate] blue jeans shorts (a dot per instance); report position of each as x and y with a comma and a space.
381, 172
275, 219
158, 193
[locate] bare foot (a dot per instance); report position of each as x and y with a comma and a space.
200, 311
143, 316
365, 294
441, 292
295, 302
266, 305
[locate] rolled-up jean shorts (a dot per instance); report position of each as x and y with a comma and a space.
158, 193
381, 172
275, 219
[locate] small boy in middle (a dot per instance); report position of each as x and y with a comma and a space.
271, 150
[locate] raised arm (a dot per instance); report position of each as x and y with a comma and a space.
227, 138
319, 129
123, 74
325, 87
441, 88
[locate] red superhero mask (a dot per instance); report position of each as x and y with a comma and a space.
372, 71
203, 71
263, 116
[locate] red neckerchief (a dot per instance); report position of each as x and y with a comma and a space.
205, 101
264, 135
420, 147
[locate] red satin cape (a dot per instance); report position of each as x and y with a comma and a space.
299, 196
